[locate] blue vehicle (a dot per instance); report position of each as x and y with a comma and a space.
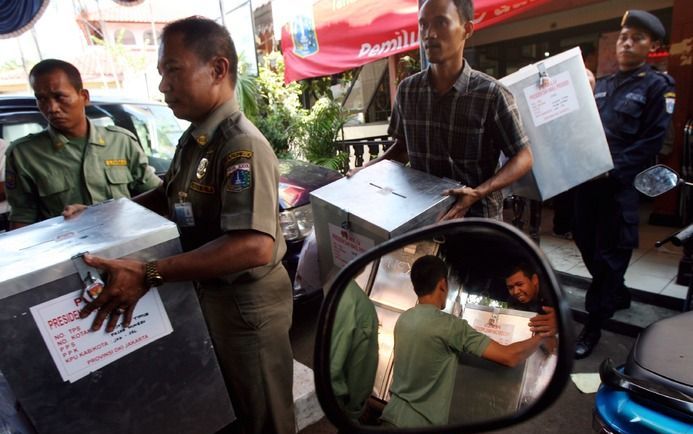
653, 391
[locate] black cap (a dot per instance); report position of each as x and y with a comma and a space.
646, 21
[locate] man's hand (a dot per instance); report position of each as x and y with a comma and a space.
354, 171
590, 78
73, 210
124, 287
544, 324
466, 197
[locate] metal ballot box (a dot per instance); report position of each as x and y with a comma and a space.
132, 381
563, 124
381, 201
484, 390
521, 385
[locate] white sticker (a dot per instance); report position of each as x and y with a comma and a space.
346, 245
78, 351
552, 101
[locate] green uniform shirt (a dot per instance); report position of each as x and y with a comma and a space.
46, 171
428, 342
354, 349
228, 172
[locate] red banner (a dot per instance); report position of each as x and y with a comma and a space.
332, 36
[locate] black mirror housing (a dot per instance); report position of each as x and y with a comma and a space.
478, 247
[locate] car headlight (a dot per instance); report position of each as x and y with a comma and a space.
296, 223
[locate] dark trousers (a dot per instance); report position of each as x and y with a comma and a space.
563, 205
603, 237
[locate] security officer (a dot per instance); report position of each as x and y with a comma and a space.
221, 190
635, 105
73, 160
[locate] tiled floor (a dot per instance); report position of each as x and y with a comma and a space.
651, 269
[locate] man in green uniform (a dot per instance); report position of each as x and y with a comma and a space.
354, 350
428, 343
73, 160
221, 190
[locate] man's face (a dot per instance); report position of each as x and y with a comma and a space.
522, 288
442, 31
632, 47
59, 102
186, 81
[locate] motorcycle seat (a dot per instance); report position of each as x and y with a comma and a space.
663, 354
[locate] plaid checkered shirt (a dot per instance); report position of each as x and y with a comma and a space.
459, 135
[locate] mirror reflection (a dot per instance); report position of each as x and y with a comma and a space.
656, 180
443, 331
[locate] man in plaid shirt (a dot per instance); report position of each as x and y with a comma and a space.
452, 121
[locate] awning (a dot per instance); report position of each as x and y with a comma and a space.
328, 36
16, 17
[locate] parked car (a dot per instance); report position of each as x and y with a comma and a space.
154, 124
158, 130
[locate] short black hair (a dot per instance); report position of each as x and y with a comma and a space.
207, 39
526, 269
465, 8
426, 273
50, 65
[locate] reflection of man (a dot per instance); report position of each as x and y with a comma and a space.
73, 160
222, 191
354, 350
452, 121
635, 105
523, 286
428, 343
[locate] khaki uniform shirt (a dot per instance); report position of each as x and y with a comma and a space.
228, 172
46, 171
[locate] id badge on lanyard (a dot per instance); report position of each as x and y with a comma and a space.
184, 212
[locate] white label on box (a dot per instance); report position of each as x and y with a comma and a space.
78, 351
552, 101
346, 245
501, 333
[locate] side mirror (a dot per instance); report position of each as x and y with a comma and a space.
386, 359
656, 180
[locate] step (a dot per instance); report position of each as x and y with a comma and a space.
645, 307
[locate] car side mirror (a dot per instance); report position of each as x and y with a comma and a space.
388, 359
656, 180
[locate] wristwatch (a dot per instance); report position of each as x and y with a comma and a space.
152, 277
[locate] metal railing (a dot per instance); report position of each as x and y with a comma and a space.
376, 145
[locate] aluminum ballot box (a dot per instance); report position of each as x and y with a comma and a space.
379, 202
160, 375
563, 124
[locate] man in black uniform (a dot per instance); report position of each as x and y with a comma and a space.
635, 105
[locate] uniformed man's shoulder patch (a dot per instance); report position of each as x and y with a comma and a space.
117, 129
238, 177
232, 157
670, 101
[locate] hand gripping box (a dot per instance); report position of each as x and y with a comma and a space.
383, 200
158, 376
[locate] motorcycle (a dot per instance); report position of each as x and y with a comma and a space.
653, 391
